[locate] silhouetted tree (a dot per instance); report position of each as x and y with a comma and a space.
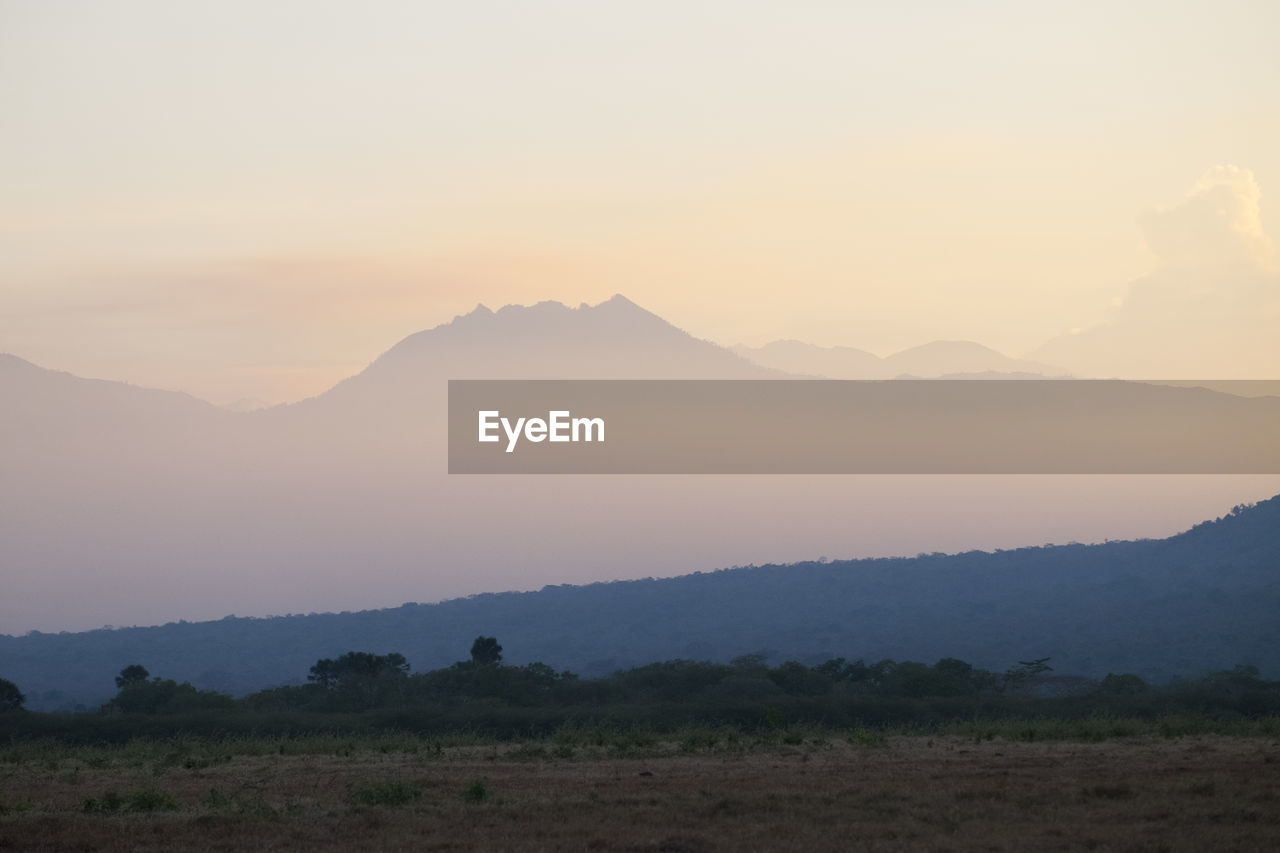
1037, 666
362, 679
1026, 671
1125, 684
166, 696
131, 675
325, 673
11, 698
485, 651
880, 672
955, 668
833, 668
753, 661
799, 680
356, 666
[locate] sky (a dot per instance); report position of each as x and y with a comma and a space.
249, 200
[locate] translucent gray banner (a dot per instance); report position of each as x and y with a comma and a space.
854, 427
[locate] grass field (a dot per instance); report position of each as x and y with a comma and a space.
704, 789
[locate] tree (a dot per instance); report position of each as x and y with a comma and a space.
754, 661
954, 668
1125, 684
166, 696
486, 651
1032, 668
356, 667
131, 675
362, 679
799, 680
11, 698
1026, 671
881, 672
325, 673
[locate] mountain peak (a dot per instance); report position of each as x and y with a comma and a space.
615, 339
616, 305
619, 301
951, 347
546, 306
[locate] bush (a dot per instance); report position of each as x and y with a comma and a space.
389, 794
145, 800
153, 800
476, 792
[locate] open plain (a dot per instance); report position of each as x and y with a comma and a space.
705, 790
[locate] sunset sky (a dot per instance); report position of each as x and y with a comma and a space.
244, 199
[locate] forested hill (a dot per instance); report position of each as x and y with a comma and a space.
1203, 600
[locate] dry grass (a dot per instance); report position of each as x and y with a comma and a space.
1197, 794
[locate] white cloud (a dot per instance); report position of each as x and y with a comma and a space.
1209, 311
1219, 223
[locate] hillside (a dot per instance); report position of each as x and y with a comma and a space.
1202, 600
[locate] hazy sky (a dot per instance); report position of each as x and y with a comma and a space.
247, 199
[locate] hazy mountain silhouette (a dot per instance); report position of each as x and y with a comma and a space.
36, 393
53, 424
378, 417
245, 404
150, 502
931, 360
152, 505
942, 357
548, 341
1202, 600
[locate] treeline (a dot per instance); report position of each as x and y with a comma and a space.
1200, 601
363, 691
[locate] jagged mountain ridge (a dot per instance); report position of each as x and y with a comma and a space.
548, 341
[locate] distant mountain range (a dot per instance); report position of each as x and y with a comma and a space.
1202, 600
128, 506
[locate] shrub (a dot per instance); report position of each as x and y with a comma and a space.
153, 800
389, 794
476, 792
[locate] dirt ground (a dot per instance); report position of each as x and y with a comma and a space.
1192, 794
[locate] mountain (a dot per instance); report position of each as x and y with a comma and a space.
616, 339
547, 340
932, 360
55, 427
943, 357
127, 506
245, 404
1202, 600
48, 398
148, 502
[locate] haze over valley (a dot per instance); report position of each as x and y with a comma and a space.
156, 506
